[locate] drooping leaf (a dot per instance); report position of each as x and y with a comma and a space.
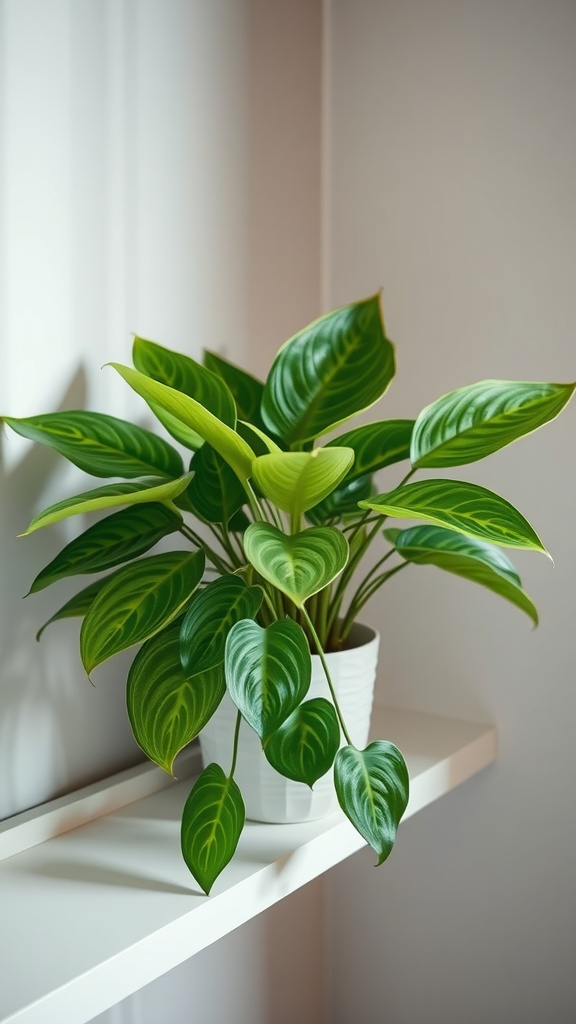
212, 823
247, 390
334, 368
77, 605
268, 671
191, 378
298, 565
137, 602
166, 709
343, 501
192, 414
210, 616
466, 508
303, 748
295, 481
121, 536
472, 422
472, 559
215, 492
110, 496
101, 445
372, 786
376, 445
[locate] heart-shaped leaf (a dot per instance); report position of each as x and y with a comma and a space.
472, 559
303, 748
334, 368
101, 445
376, 445
212, 823
246, 389
372, 786
299, 565
466, 508
77, 605
137, 602
110, 496
295, 481
472, 422
191, 413
215, 492
166, 709
268, 672
210, 617
111, 541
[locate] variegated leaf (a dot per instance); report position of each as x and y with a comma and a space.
77, 605
298, 565
246, 389
295, 481
212, 823
376, 445
372, 786
210, 616
303, 748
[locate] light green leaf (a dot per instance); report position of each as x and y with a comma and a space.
77, 605
295, 481
215, 492
257, 438
466, 508
212, 823
475, 421
372, 786
101, 445
376, 445
298, 565
122, 536
334, 368
247, 390
110, 496
211, 614
472, 559
303, 748
223, 438
268, 672
137, 602
166, 709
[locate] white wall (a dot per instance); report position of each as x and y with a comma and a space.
452, 167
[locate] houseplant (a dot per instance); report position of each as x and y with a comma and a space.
279, 527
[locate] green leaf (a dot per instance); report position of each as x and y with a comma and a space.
212, 823
137, 602
215, 492
466, 508
122, 536
343, 502
472, 559
77, 605
268, 671
110, 496
372, 787
475, 421
211, 614
166, 709
295, 481
376, 445
334, 368
247, 390
101, 445
303, 748
183, 374
192, 414
257, 439
298, 565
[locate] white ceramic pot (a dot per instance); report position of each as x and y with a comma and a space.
269, 796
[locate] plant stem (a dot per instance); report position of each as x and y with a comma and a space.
235, 751
359, 602
214, 557
320, 651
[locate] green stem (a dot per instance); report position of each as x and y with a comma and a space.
356, 605
320, 651
214, 557
235, 751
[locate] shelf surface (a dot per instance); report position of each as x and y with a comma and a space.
92, 915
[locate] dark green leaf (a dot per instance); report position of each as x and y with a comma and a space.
376, 445
101, 445
343, 501
111, 541
77, 605
210, 617
372, 787
215, 492
166, 709
298, 565
247, 390
212, 823
334, 368
137, 602
268, 672
305, 745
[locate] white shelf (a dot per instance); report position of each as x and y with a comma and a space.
92, 915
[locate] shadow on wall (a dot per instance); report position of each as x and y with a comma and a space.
47, 706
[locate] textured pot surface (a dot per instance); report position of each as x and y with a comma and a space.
269, 796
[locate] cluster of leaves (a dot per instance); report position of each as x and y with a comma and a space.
286, 524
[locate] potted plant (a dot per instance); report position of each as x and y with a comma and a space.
278, 528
